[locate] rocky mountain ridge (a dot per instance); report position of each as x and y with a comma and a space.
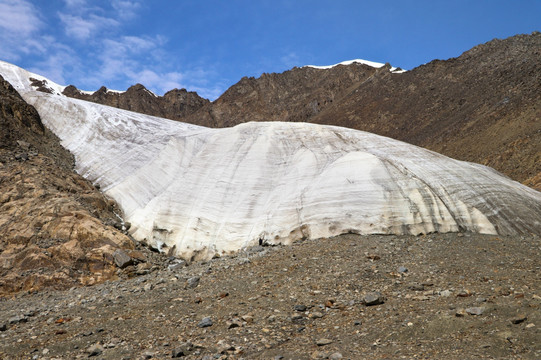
175, 104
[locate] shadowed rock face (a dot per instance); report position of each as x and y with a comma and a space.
57, 229
295, 95
18, 121
175, 104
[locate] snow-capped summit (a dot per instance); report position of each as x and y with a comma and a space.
358, 61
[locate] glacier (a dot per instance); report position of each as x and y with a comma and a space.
197, 192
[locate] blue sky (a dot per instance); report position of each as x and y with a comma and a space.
207, 46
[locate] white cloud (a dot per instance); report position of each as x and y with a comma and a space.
62, 60
75, 3
19, 17
19, 29
126, 9
83, 28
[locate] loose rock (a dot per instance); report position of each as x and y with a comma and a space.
373, 298
519, 319
94, 350
323, 342
122, 259
193, 282
475, 310
205, 322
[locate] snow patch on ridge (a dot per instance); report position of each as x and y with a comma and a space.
20, 78
357, 61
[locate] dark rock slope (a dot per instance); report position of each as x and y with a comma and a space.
295, 95
56, 229
175, 104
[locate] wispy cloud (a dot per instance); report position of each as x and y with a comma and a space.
126, 9
289, 60
75, 3
19, 17
83, 28
19, 26
61, 64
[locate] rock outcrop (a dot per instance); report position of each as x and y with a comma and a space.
57, 230
175, 104
295, 95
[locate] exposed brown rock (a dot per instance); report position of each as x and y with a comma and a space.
56, 229
175, 104
484, 106
295, 95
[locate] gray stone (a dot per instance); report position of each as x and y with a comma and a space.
193, 282
223, 347
373, 298
416, 287
255, 249
17, 319
317, 315
234, 323
23, 144
323, 342
122, 259
475, 310
176, 353
177, 265
22, 156
335, 356
205, 322
301, 308
445, 293
402, 269
519, 319
183, 349
94, 350
148, 355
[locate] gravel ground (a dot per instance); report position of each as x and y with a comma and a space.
448, 296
